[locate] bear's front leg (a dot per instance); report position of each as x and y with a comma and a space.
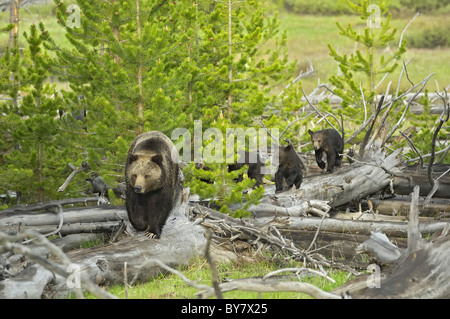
319, 160
278, 181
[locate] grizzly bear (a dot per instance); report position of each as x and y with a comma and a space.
330, 142
255, 165
152, 182
289, 168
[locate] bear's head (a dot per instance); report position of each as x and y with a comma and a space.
285, 154
317, 138
145, 172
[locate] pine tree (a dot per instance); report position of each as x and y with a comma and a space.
227, 69
127, 52
33, 159
229, 80
365, 60
125, 64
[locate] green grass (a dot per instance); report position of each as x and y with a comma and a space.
308, 37
170, 286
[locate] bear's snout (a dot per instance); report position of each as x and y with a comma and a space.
138, 189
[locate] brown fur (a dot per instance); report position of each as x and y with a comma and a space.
289, 169
151, 178
330, 142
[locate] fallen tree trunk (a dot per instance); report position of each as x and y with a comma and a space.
92, 219
419, 271
420, 177
361, 227
335, 246
399, 207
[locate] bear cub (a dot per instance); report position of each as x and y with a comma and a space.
152, 182
330, 142
255, 165
289, 168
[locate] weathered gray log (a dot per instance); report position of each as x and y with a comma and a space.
300, 208
399, 206
75, 220
334, 246
381, 248
75, 241
436, 101
37, 268
50, 205
363, 227
420, 177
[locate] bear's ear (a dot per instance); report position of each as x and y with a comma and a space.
310, 132
132, 158
157, 159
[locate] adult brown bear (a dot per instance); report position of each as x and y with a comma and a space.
152, 182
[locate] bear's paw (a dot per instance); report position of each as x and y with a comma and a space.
149, 234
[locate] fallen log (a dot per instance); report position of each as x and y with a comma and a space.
35, 269
420, 177
419, 271
361, 227
399, 206
93, 219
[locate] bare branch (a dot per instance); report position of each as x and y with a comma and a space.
444, 118
317, 111
75, 170
414, 148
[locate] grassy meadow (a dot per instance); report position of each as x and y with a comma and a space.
308, 37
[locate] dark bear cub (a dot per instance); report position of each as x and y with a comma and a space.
289, 168
152, 182
255, 165
330, 142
